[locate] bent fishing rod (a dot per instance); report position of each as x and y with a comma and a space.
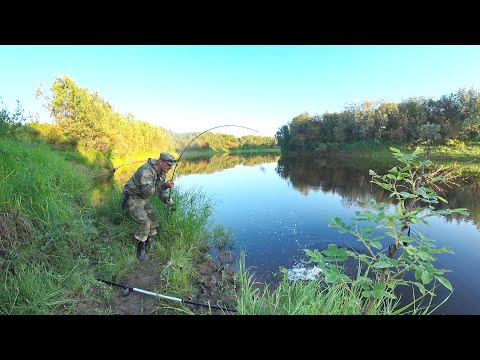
113, 169
126, 290
195, 138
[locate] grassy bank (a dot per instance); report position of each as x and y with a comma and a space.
452, 150
57, 234
208, 153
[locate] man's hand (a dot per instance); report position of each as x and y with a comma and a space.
169, 184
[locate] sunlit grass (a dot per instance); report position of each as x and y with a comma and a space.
40, 182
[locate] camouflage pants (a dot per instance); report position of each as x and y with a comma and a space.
145, 215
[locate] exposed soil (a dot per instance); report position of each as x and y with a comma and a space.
216, 285
14, 231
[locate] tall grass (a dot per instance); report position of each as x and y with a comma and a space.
187, 220
180, 239
40, 182
457, 149
59, 250
451, 149
32, 289
300, 297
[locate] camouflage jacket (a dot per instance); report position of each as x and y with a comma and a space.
147, 181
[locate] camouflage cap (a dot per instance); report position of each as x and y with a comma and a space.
169, 158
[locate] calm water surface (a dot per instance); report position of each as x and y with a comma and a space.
276, 208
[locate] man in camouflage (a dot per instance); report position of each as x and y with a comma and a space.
147, 181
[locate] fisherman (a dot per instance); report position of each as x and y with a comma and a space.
147, 181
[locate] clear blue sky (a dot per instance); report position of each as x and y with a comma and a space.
194, 87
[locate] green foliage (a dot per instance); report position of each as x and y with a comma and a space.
38, 181
11, 123
381, 271
302, 297
222, 142
412, 122
222, 238
33, 290
87, 118
430, 133
54, 135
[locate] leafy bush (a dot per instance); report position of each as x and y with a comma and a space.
381, 270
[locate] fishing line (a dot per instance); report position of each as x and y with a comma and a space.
196, 137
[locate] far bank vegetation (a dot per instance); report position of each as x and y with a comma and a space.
449, 125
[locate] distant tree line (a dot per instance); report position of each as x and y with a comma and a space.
218, 141
412, 122
84, 119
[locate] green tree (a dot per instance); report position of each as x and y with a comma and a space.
80, 113
93, 121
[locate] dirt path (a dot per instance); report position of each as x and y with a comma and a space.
214, 284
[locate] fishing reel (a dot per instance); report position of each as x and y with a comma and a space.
171, 208
125, 291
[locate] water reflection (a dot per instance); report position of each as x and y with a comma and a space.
349, 178
201, 165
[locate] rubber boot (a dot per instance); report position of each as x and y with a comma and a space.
150, 243
141, 254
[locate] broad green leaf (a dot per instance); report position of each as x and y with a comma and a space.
308, 252
418, 274
424, 255
427, 277
405, 238
399, 208
444, 282
391, 234
385, 186
421, 288
462, 211
379, 286
388, 295
331, 276
381, 265
407, 195
366, 294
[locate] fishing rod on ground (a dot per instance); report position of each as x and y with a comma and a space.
195, 138
126, 290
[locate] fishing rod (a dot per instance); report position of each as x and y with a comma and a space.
111, 171
126, 290
196, 137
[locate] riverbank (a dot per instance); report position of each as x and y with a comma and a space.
453, 150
